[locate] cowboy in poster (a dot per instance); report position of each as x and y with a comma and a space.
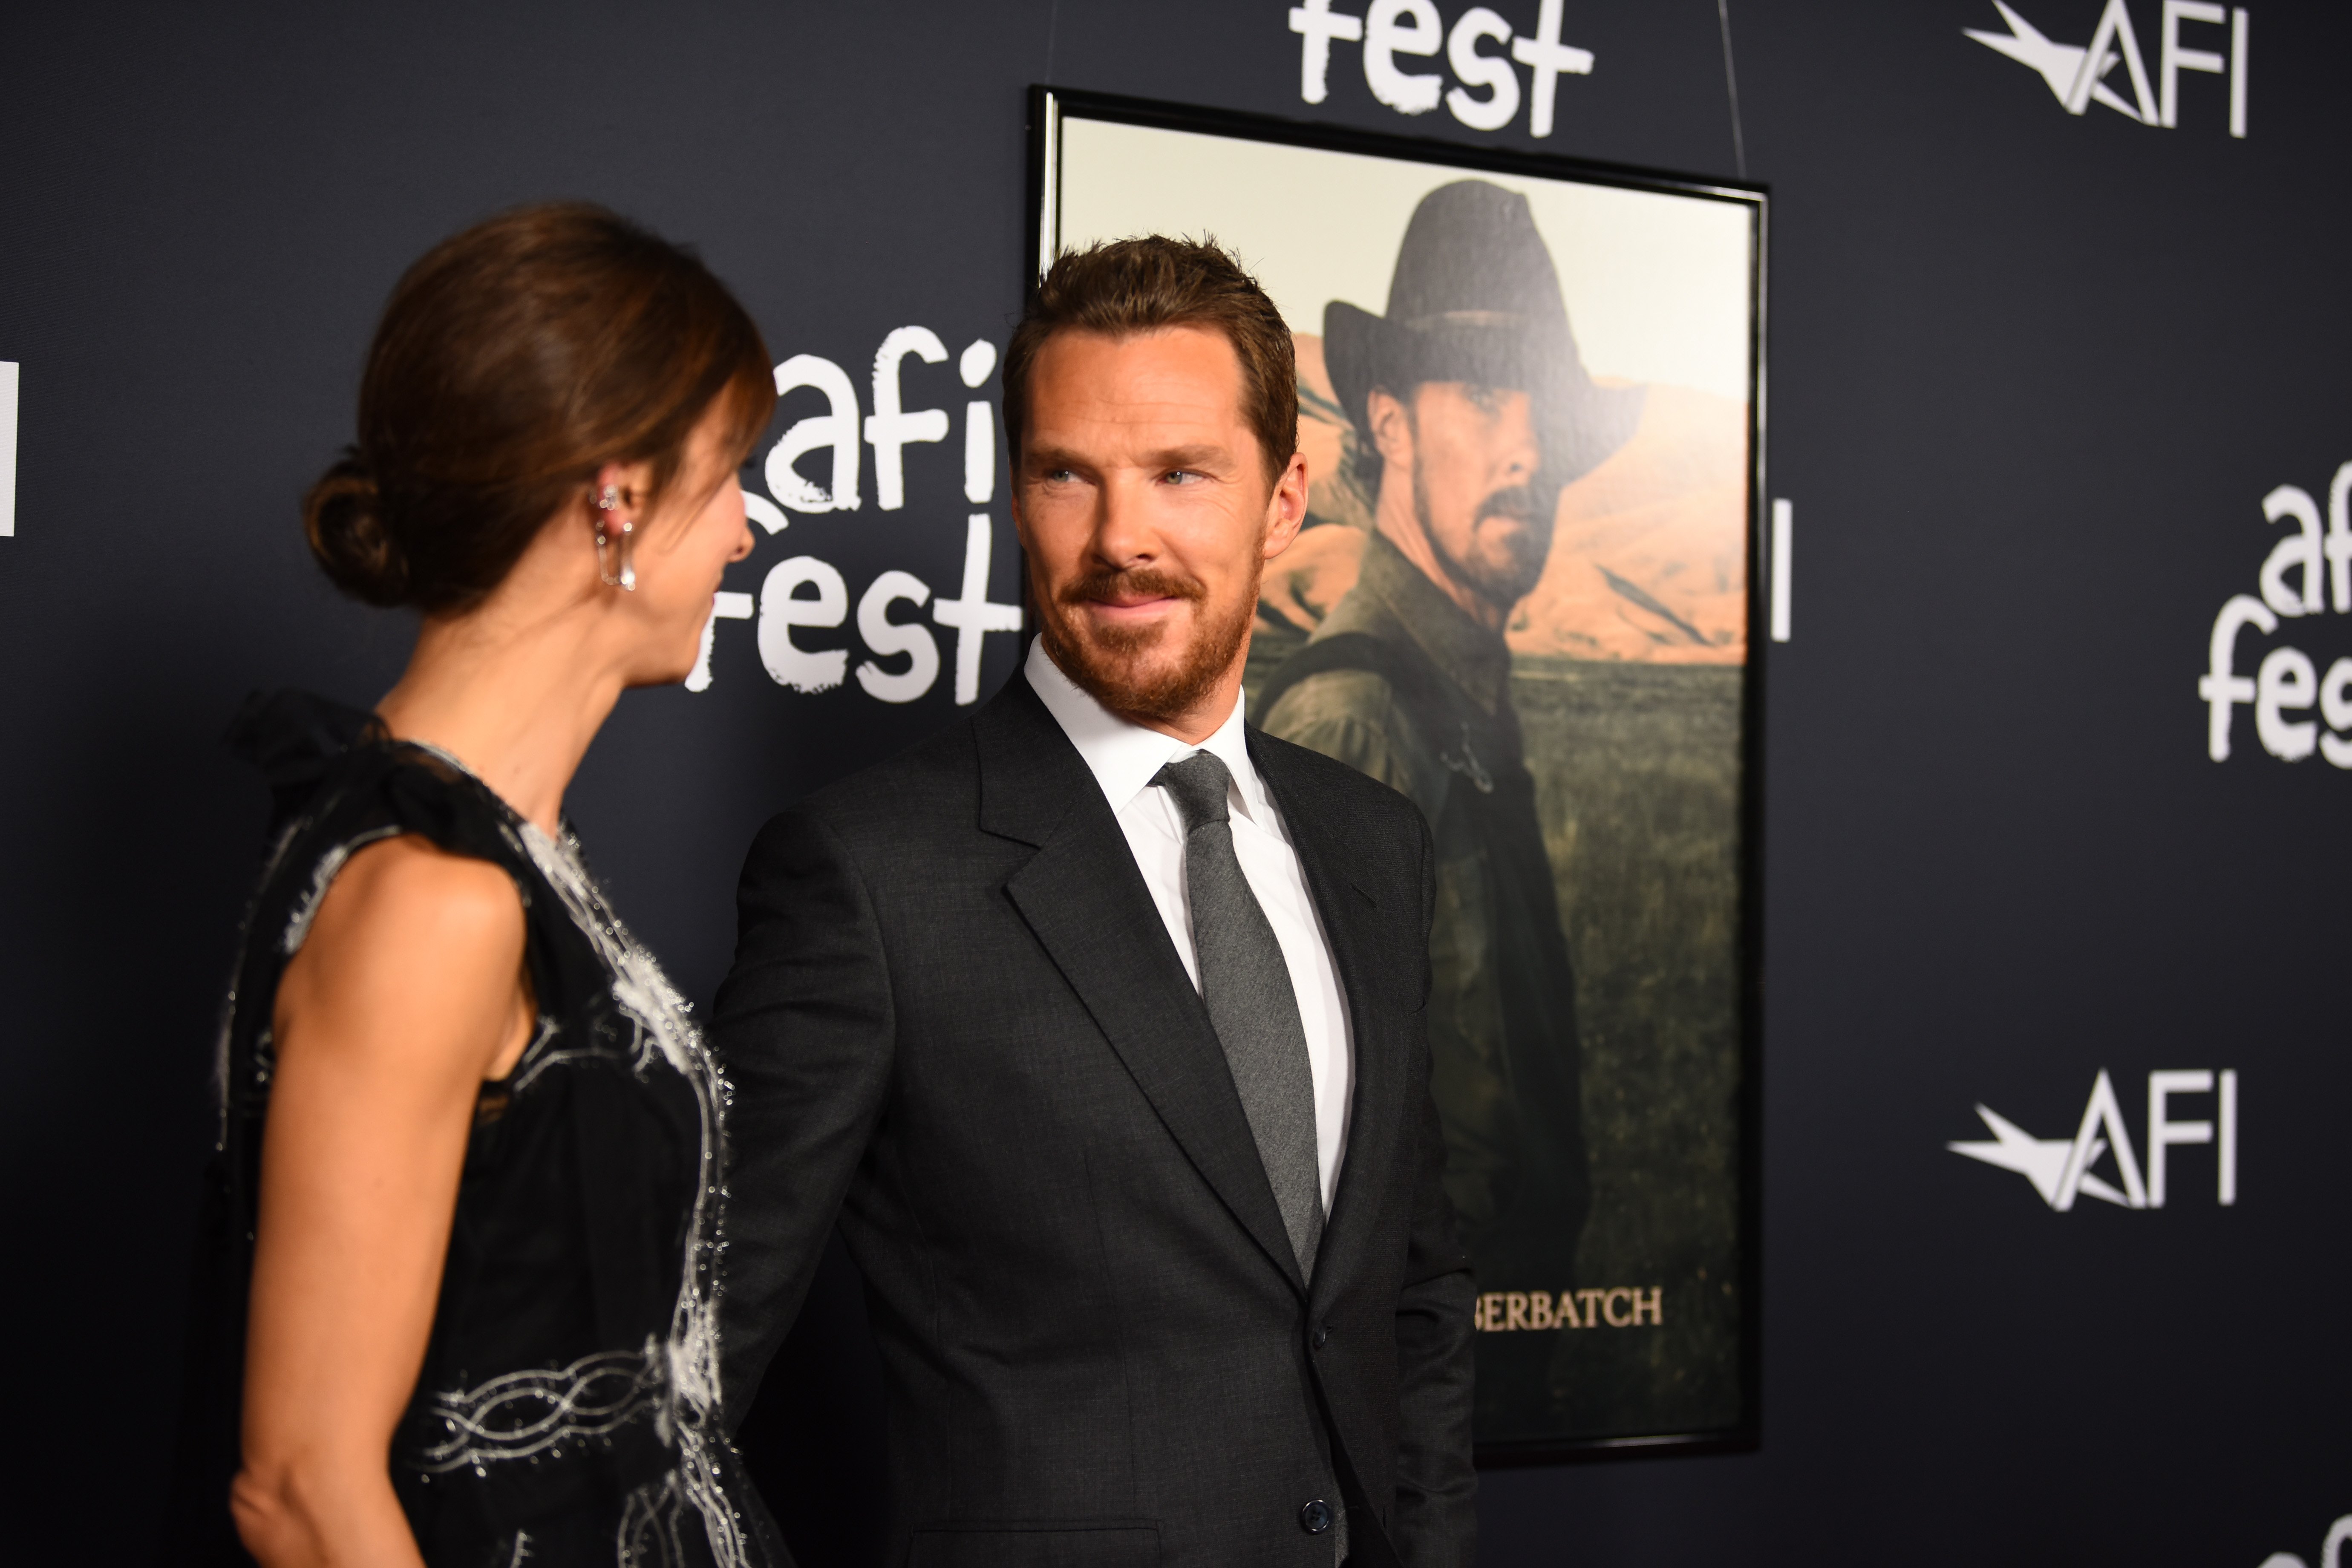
1472, 411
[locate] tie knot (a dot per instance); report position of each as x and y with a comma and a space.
1199, 783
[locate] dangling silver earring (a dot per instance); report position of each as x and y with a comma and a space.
607, 504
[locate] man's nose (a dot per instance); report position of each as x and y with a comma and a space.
1124, 532
1521, 454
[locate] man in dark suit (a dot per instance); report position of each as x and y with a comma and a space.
1098, 1021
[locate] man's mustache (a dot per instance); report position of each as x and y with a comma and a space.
1519, 503
1102, 587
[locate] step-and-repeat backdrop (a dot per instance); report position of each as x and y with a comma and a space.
2010, 1234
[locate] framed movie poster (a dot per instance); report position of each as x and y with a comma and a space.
1529, 399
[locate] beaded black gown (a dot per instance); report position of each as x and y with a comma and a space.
568, 1408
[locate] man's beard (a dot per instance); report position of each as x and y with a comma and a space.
1112, 664
1502, 584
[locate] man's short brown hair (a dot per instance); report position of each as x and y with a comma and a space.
1123, 287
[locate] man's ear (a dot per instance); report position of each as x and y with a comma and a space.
1391, 428
1285, 509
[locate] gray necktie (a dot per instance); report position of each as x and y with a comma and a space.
1247, 986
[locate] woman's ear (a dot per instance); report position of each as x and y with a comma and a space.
618, 493
610, 500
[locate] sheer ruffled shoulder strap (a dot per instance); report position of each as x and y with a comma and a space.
328, 760
295, 738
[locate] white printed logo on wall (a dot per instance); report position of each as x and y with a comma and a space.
805, 592
2339, 1534
1394, 33
2064, 1169
8, 448
2305, 573
2080, 77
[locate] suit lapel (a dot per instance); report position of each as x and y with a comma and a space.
1376, 1118
1083, 897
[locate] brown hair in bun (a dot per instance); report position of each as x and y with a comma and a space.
514, 360
340, 519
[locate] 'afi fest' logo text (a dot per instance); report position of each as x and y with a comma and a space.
2063, 1169
806, 592
1480, 48
2081, 77
2305, 572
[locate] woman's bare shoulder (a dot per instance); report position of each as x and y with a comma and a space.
408, 878
411, 944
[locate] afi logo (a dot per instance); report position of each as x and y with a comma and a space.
781, 604
2079, 78
2288, 680
2330, 1550
2062, 1169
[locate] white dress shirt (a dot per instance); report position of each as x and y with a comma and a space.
1123, 757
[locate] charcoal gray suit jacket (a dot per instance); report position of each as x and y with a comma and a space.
956, 1022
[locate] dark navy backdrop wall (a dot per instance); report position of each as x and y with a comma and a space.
2032, 377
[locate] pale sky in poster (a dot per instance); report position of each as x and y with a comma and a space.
1657, 285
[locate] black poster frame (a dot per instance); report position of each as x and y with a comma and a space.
1048, 108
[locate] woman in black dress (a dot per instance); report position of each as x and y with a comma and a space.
468, 1196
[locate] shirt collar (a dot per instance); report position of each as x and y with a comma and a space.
1124, 755
1475, 659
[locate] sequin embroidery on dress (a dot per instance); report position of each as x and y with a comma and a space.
569, 1405
684, 1377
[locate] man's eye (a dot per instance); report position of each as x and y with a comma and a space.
1059, 476
1180, 476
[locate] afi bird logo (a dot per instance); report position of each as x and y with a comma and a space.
2079, 76
2062, 1169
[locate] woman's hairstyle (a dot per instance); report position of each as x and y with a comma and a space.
514, 360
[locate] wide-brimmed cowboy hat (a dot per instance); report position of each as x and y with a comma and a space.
1476, 298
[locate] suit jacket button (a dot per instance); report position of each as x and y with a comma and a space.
1316, 1517
1322, 1336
